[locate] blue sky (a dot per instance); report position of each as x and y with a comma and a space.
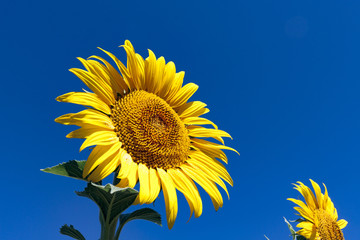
282, 77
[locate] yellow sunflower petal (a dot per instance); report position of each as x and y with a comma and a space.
335, 215
211, 149
133, 175
150, 69
325, 198
125, 74
144, 192
155, 185
132, 65
206, 184
318, 193
342, 223
123, 184
308, 196
98, 155
159, 73
126, 165
307, 225
141, 71
304, 207
100, 138
308, 233
304, 213
183, 95
201, 132
175, 85
86, 117
114, 75
97, 85
198, 121
205, 171
169, 196
85, 131
187, 187
212, 152
192, 109
104, 73
212, 164
96, 69
204, 144
168, 77
86, 99
331, 208
106, 167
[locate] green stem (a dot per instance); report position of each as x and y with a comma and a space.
117, 234
108, 229
108, 232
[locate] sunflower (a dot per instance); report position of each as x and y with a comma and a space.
320, 216
145, 130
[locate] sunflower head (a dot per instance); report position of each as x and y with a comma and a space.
144, 129
320, 218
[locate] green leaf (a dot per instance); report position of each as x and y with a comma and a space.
71, 232
111, 200
144, 214
72, 168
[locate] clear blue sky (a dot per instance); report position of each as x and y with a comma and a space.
282, 77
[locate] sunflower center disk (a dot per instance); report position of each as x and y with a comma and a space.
150, 130
328, 228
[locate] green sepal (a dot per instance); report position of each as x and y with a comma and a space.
111, 200
144, 214
299, 237
72, 168
294, 235
71, 232
292, 231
